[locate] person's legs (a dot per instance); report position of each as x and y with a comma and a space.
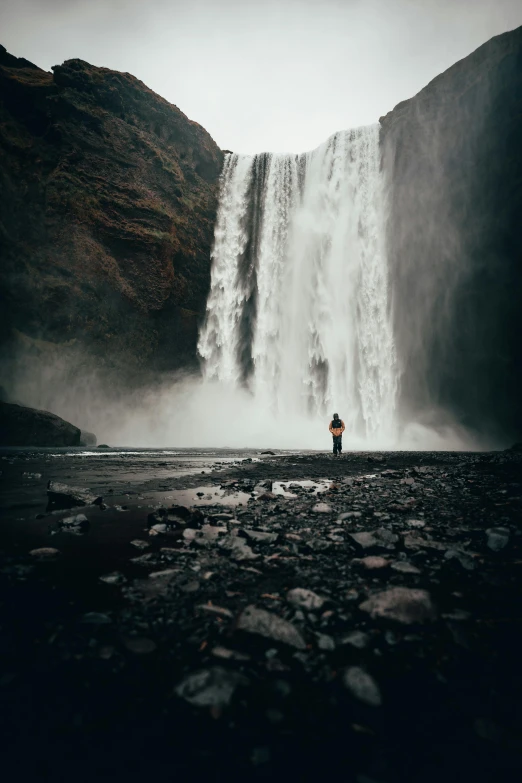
334, 446
340, 444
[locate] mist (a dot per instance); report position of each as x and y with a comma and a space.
185, 411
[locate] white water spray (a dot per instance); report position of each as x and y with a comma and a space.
298, 310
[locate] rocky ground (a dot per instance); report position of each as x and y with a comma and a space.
301, 616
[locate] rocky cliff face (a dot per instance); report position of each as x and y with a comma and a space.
108, 197
453, 159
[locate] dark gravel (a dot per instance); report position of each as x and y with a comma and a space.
370, 631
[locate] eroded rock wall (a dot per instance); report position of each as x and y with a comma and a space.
108, 196
452, 156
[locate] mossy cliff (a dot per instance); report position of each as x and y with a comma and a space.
108, 196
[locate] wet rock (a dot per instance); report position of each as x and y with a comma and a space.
357, 639
142, 559
206, 537
306, 599
364, 540
386, 538
318, 544
414, 540
402, 604
191, 586
77, 525
44, 552
259, 621
416, 523
362, 686
64, 496
498, 538
403, 567
212, 687
139, 645
216, 610
96, 618
158, 529
113, 579
266, 496
139, 544
349, 515
463, 558
400, 508
229, 655
167, 573
325, 642
238, 548
372, 563
259, 535
322, 508
271, 453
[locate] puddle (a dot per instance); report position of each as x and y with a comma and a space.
202, 496
285, 488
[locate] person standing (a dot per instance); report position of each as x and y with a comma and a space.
337, 429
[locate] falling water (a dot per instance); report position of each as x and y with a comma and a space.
298, 310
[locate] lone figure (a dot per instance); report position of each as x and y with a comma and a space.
337, 429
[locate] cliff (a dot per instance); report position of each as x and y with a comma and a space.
452, 158
108, 197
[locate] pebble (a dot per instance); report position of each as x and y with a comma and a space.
259, 621
415, 523
349, 515
322, 508
96, 618
498, 538
325, 642
113, 579
229, 655
307, 599
259, 535
139, 544
168, 572
76, 524
212, 687
139, 645
213, 609
364, 540
362, 686
403, 604
357, 639
44, 552
405, 568
372, 563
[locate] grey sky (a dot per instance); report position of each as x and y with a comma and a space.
263, 75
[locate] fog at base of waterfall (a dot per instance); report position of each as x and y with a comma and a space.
214, 414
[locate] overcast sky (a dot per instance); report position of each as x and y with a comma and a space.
263, 74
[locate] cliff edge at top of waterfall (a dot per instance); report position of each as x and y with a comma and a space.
108, 198
459, 77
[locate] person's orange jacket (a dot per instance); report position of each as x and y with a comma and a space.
337, 430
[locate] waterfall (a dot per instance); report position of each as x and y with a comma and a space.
298, 310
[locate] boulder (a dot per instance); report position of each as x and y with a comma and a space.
21, 426
64, 496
